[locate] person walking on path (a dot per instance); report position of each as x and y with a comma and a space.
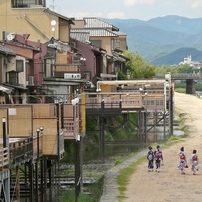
150, 158
194, 160
183, 161
158, 155
171, 185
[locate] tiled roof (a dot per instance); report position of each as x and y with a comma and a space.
59, 15
6, 50
80, 36
98, 23
120, 33
96, 32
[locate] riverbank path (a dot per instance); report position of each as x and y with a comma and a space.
169, 185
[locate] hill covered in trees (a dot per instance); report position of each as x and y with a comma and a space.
163, 40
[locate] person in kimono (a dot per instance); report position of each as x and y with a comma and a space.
183, 161
158, 156
194, 160
150, 158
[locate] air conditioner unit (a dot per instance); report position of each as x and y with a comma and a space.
31, 81
72, 76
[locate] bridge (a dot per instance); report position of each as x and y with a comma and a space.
190, 79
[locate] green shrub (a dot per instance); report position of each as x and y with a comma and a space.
180, 90
117, 162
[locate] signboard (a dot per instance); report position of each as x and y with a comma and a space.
72, 76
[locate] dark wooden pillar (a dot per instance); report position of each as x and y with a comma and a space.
190, 86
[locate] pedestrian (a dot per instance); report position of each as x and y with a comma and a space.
150, 158
183, 161
194, 160
158, 156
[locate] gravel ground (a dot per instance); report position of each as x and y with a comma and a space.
168, 185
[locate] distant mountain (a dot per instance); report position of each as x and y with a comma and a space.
178, 56
156, 39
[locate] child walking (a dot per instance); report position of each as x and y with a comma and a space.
183, 161
158, 158
150, 158
194, 160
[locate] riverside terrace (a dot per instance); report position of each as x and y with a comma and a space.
151, 100
30, 156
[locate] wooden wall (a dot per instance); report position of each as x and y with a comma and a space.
23, 121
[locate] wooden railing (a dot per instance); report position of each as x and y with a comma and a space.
67, 68
21, 150
71, 128
126, 100
4, 157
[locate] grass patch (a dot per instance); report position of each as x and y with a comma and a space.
120, 159
69, 196
124, 176
95, 192
180, 90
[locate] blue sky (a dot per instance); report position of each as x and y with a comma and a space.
126, 9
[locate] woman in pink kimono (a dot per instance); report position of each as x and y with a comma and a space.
183, 161
194, 160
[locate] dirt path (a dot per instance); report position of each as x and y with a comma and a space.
169, 185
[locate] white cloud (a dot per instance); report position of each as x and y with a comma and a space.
129, 3
118, 15
196, 4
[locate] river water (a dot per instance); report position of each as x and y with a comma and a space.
93, 162
155, 136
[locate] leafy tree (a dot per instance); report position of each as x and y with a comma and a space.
137, 68
185, 68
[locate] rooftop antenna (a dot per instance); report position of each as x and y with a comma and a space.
53, 5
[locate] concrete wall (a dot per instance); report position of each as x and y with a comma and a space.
33, 21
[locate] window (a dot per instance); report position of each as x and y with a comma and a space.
97, 43
12, 77
87, 75
19, 66
112, 44
26, 3
117, 44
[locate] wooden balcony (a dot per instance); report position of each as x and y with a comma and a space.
71, 128
32, 117
67, 68
69, 71
71, 121
127, 101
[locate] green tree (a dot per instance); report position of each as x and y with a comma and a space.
137, 68
185, 69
